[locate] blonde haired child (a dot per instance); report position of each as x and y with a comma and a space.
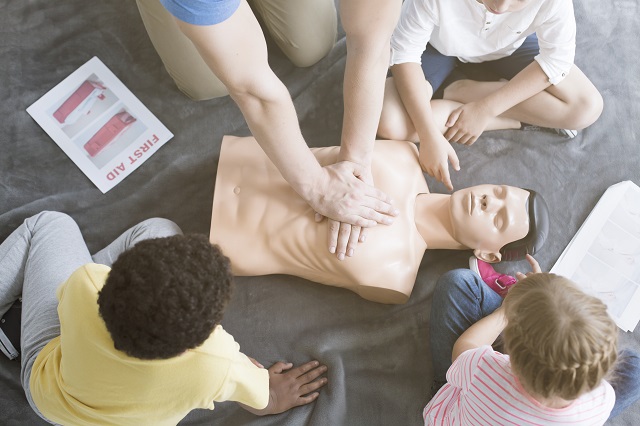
561, 345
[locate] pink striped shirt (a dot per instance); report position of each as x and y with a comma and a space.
482, 390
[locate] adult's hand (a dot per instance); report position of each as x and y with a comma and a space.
342, 237
341, 195
435, 156
466, 123
535, 268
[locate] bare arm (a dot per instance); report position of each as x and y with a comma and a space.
484, 332
415, 92
368, 25
236, 52
291, 387
468, 122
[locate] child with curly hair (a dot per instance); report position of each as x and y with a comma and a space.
561, 346
132, 334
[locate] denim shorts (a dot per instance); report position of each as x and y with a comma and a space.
440, 70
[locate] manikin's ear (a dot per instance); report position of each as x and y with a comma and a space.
488, 256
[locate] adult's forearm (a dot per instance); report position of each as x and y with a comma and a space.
364, 79
368, 26
272, 119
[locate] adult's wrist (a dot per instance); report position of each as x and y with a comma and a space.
309, 186
359, 157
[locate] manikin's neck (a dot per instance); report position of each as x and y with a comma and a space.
433, 221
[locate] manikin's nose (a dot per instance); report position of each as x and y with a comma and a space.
490, 204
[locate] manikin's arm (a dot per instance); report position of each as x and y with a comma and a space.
236, 52
368, 25
415, 92
468, 122
291, 387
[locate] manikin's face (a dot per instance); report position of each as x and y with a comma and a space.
499, 7
486, 217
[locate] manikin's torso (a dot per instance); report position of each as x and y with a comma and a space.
264, 227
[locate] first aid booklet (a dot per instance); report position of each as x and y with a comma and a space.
101, 126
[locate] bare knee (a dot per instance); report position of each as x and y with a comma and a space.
587, 109
385, 128
392, 125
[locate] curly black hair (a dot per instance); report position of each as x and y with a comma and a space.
165, 295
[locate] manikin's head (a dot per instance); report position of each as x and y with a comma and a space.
499, 222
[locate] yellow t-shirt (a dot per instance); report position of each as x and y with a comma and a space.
80, 378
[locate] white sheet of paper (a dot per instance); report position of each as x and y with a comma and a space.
603, 258
99, 124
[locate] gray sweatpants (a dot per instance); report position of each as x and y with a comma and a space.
39, 256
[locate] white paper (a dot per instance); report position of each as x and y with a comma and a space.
603, 258
103, 128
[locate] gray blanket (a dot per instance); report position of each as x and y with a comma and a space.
378, 355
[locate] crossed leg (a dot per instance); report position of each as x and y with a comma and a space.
395, 122
574, 103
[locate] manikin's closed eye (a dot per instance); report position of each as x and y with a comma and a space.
498, 221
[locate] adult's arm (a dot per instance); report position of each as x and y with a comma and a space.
368, 25
236, 52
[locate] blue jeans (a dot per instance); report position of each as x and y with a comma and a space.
461, 299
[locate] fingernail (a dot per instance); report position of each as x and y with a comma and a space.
363, 238
388, 220
315, 363
340, 256
350, 252
332, 250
